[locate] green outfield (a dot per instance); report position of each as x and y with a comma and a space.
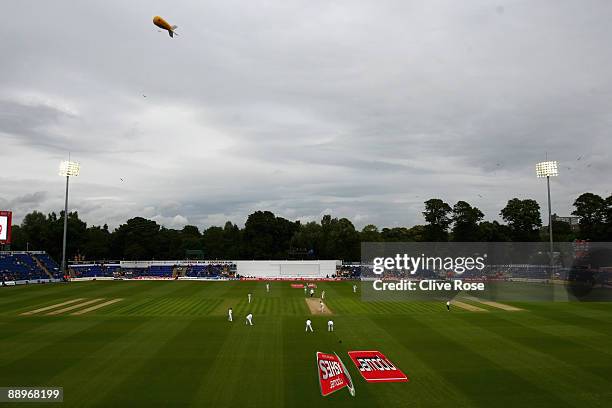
164, 343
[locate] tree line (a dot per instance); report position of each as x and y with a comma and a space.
267, 236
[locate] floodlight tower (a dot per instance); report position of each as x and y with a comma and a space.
548, 169
67, 168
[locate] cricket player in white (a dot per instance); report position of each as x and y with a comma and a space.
322, 305
249, 319
268, 287
311, 292
354, 288
305, 290
323, 295
448, 305
309, 325
249, 298
230, 315
330, 325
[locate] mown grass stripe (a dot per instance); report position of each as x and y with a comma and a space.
73, 307
95, 307
44, 309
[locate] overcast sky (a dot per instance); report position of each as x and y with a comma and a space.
360, 109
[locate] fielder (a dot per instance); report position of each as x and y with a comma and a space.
323, 295
249, 319
448, 305
309, 325
249, 298
268, 287
322, 305
311, 292
330, 325
230, 315
354, 288
305, 290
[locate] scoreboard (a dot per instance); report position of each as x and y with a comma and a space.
5, 227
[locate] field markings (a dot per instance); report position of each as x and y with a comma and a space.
467, 306
496, 304
315, 307
43, 309
92, 308
69, 308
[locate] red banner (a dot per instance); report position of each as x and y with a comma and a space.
333, 376
297, 285
375, 367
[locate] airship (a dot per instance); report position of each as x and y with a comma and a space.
163, 24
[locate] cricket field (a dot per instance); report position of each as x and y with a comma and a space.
169, 343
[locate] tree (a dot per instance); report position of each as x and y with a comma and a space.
370, 233
523, 218
403, 234
466, 219
344, 240
137, 239
608, 229
191, 239
35, 228
437, 216
493, 232
213, 243
266, 236
591, 209
562, 231
97, 243
233, 241
308, 237
76, 235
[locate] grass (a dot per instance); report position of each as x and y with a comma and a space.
169, 343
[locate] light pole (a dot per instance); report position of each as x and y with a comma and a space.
548, 169
67, 169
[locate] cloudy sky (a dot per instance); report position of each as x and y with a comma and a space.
361, 109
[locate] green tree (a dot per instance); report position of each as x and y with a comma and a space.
493, 232
191, 239
137, 239
562, 231
213, 243
608, 228
437, 215
591, 209
308, 237
35, 228
403, 234
266, 236
466, 219
523, 218
370, 233
97, 243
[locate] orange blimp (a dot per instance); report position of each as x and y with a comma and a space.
163, 24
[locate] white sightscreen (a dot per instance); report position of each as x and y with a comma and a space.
3, 227
299, 269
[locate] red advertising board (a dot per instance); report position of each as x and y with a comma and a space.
297, 285
375, 367
333, 376
5, 227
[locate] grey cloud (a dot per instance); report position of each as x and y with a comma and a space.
302, 107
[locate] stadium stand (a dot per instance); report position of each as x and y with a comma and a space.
210, 270
94, 270
24, 266
50, 264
